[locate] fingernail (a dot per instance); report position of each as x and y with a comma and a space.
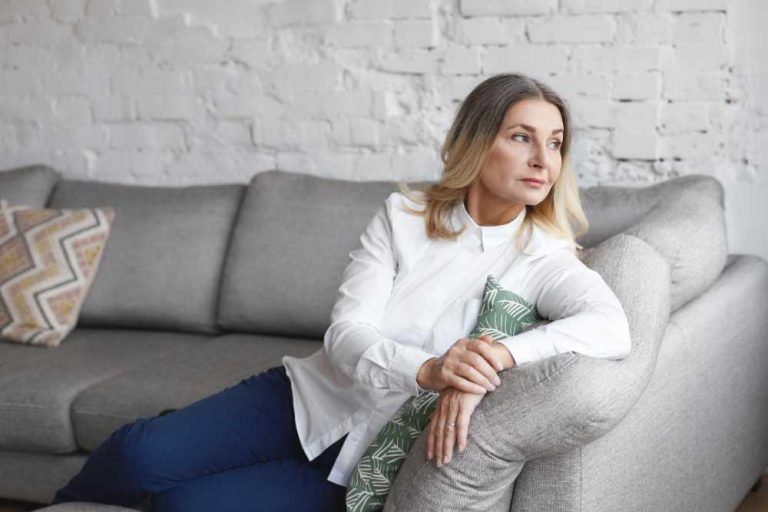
498, 381
447, 460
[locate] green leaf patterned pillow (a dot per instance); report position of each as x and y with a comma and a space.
502, 314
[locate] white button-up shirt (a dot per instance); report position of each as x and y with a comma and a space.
405, 298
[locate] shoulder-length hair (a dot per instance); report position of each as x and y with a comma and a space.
466, 149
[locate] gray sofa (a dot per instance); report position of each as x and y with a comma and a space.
198, 289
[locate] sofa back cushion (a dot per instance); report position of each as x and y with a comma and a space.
27, 186
162, 265
289, 249
682, 218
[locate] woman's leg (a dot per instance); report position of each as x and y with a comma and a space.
290, 484
248, 423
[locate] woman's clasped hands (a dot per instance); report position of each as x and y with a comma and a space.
463, 374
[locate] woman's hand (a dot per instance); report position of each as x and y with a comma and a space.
449, 424
470, 365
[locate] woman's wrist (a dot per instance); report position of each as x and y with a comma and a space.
422, 376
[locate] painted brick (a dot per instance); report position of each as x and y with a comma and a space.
691, 5
113, 108
46, 33
13, 83
506, 8
592, 113
223, 135
305, 77
686, 116
536, 61
71, 109
619, 59
73, 82
571, 84
690, 145
67, 11
364, 132
113, 29
461, 60
150, 81
699, 29
415, 34
360, 35
302, 12
572, 29
19, 10
637, 86
163, 106
490, 30
592, 6
408, 61
703, 85
145, 135
395, 9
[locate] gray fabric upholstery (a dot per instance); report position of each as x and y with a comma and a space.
682, 218
35, 477
162, 262
548, 406
28, 186
613, 209
289, 249
177, 379
39, 384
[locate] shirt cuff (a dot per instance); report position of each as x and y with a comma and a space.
405, 368
528, 346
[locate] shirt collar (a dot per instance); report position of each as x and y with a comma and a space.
484, 238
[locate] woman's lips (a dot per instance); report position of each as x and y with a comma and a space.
533, 182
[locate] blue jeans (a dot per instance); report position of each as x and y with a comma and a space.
236, 450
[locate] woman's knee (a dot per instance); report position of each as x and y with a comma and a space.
134, 450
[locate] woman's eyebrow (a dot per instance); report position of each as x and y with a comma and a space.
531, 128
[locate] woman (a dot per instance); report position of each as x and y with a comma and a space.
288, 438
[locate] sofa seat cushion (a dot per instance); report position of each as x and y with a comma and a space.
289, 249
177, 380
29, 186
162, 265
38, 385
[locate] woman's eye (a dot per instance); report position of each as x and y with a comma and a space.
524, 136
556, 144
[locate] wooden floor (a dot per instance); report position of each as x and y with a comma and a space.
753, 502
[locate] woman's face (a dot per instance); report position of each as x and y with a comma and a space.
527, 146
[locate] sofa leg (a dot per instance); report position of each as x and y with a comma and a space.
757, 485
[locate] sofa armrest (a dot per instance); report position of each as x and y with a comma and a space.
550, 405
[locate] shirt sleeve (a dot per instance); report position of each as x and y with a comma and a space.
586, 316
354, 342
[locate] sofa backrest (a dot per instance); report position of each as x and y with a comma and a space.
28, 186
162, 264
289, 249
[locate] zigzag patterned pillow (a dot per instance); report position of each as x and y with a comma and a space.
502, 314
48, 259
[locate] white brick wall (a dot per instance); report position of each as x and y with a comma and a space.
183, 91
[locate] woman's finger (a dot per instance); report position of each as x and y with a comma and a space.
439, 434
467, 386
473, 374
479, 363
431, 436
450, 428
462, 430
485, 349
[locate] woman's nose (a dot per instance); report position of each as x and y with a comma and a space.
539, 156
